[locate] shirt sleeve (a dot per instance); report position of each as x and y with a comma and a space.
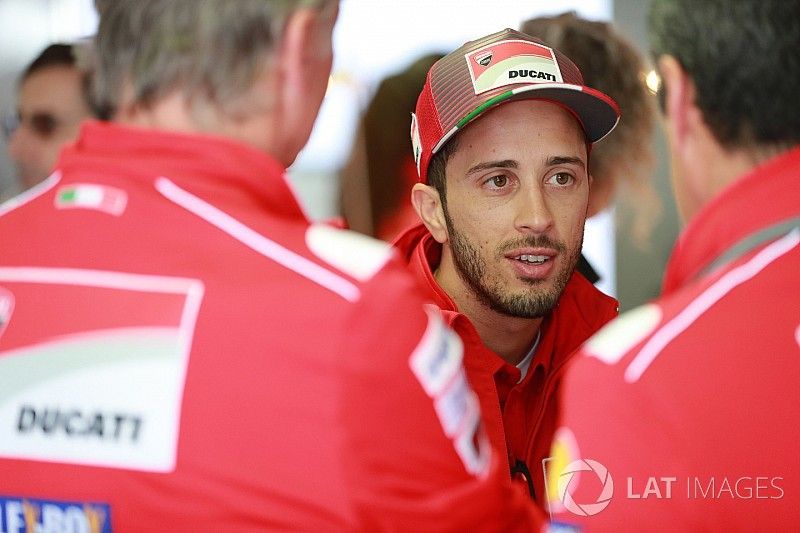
416, 454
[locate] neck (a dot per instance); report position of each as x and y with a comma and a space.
507, 336
709, 168
251, 119
730, 165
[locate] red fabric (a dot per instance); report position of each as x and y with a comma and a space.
299, 409
717, 405
520, 418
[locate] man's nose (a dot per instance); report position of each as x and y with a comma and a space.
533, 212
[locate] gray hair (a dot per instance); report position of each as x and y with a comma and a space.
211, 50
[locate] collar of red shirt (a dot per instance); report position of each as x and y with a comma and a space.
212, 167
765, 196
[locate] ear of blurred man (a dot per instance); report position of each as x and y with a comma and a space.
702, 166
304, 66
683, 120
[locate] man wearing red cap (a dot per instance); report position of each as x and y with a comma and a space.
501, 138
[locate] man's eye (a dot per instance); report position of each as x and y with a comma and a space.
499, 181
562, 178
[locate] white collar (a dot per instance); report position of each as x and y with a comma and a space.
525, 364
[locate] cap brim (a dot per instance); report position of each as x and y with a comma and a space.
597, 111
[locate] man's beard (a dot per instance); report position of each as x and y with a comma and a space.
535, 303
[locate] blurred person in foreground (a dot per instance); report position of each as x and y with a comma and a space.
379, 175
181, 350
681, 415
51, 103
621, 165
501, 138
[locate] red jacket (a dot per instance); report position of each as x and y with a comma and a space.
520, 417
691, 403
181, 350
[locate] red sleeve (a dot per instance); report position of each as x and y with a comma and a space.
417, 457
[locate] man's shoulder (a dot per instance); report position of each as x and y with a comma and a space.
627, 345
359, 257
707, 321
619, 339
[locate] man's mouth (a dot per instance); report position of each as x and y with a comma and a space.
532, 259
532, 263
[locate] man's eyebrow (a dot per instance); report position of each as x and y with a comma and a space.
565, 160
505, 163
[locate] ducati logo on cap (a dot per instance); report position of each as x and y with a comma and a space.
512, 62
484, 58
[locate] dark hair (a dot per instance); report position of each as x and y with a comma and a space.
743, 58
64, 55
58, 54
437, 176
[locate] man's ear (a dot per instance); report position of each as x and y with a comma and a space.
428, 205
305, 58
679, 107
308, 32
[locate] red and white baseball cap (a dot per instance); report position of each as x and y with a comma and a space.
501, 67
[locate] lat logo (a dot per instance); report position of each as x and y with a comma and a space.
6, 308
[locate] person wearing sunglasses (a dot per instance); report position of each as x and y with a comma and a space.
50, 107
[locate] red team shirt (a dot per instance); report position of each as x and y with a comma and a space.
181, 350
520, 416
683, 413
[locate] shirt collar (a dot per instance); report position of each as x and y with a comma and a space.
525, 364
764, 196
213, 167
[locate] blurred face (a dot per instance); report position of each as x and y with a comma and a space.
516, 202
51, 107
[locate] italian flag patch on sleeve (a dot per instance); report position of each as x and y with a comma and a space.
92, 196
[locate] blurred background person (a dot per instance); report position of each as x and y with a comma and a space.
691, 402
181, 349
51, 103
621, 166
377, 180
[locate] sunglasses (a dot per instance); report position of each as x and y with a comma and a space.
43, 125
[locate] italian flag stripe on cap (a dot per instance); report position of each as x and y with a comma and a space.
92, 196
